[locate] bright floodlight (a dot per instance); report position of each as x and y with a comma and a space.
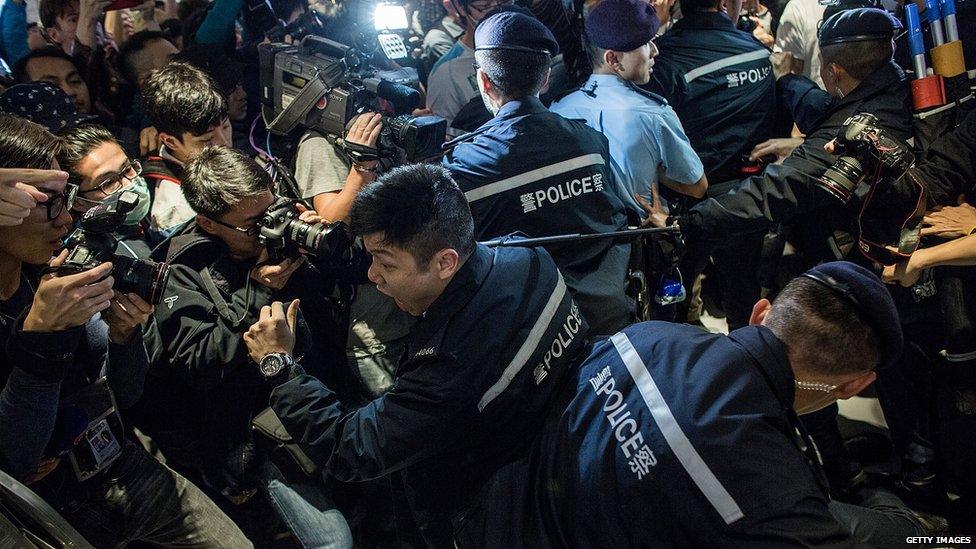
391, 17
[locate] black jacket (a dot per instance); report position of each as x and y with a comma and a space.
481, 368
786, 191
949, 165
203, 389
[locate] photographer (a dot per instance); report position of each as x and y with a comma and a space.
203, 391
100, 168
65, 435
377, 327
531, 170
190, 113
498, 333
674, 437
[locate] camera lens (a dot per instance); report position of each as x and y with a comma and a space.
142, 277
842, 178
309, 237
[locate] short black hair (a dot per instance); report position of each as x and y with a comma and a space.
418, 208
516, 74
859, 59
49, 10
131, 48
219, 178
77, 142
24, 144
181, 98
824, 330
20, 68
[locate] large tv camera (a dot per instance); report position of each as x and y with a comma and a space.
95, 243
891, 211
284, 235
323, 85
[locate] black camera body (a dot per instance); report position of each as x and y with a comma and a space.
284, 235
322, 85
95, 243
865, 150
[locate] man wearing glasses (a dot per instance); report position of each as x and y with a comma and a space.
54, 355
203, 390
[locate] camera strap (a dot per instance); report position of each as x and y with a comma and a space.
289, 117
357, 152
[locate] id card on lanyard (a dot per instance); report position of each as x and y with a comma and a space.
101, 443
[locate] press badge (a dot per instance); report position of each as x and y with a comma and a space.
101, 443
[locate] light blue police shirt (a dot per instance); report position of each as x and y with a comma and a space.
644, 134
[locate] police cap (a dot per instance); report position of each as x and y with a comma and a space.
858, 25
869, 297
514, 29
621, 25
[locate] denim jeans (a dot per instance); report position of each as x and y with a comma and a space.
140, 499
309, 514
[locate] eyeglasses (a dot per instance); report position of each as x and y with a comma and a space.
57, 203
249, 231
116, 181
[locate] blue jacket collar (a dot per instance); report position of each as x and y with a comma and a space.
699, 20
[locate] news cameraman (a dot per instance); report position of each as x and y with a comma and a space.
202, 392
55, 350
498, 334
531, 170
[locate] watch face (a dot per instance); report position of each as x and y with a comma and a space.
271, 365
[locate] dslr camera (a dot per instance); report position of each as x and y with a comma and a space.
323, 85
866, 151
284, 235
94, 243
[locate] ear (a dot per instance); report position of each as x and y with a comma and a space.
485, 82
855, 386
447, 263
53, 34
172, 143
759, 312
545, 83
609, 58
206, 224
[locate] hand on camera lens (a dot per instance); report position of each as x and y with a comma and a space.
274, 332
18, 197
63, 302
127, 312
275, 276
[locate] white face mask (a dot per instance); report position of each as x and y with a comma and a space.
141, 188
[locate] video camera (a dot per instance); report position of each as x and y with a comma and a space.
892, 209
95, 243
323, 85
283, 234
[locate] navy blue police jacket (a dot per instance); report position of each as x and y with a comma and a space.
786, 192
671, 437
532, 171
481, 368
720, 82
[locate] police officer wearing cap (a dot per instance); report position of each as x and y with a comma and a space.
530, 170
647, 142
675, 437
859, 76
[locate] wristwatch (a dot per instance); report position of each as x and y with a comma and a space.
272, 364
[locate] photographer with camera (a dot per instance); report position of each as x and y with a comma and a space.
531, 170
70, 374
499, 332
190, 113
244, 249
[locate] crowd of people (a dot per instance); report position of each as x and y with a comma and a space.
200, 349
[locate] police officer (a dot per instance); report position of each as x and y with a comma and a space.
498, 335
644, 133
859, 76
533, 171
676, 437
720, 82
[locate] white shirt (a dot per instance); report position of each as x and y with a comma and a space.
797, 34
452, 83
